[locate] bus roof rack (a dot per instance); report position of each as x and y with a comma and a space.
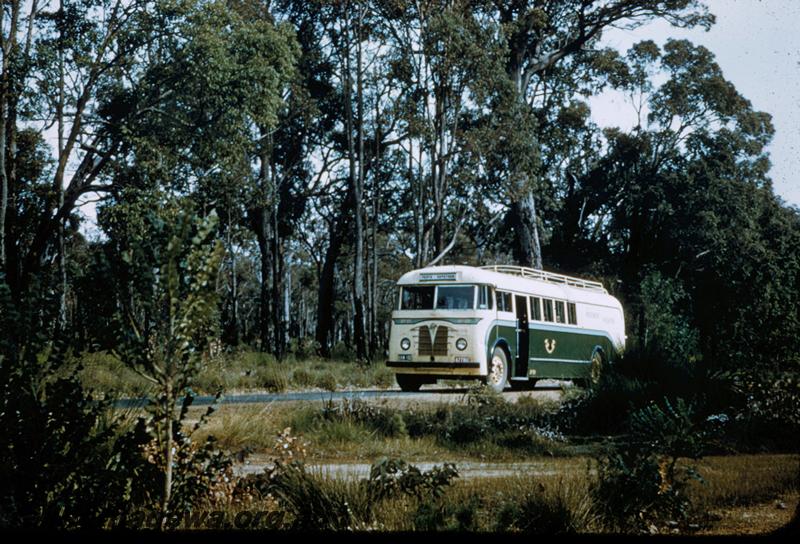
541, 275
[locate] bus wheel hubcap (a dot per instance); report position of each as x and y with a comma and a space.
596, 367
497, 370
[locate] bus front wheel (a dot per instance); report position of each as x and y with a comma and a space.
408, 382
498, 371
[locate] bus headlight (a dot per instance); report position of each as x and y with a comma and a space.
405, 344
461, 344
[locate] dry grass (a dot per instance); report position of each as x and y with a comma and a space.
560, 487
243, 371
254, 428
105, 373
745, 479
478, 505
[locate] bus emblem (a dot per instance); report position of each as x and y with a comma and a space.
549, 345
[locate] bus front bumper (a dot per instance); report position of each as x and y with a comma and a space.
433, 368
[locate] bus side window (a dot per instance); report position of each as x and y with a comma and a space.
572, 314
548, 309
504, 302
560, 314
484, 298
536, 308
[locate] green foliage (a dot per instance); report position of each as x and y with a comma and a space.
488, 420
65, 461
633, 381
642, 479
57, 440
447, 515
316, 503
326, 381
311, 503
390, 478
485, 422
667, 335
384, 421
761, 410
302, 377
535, 513
165, 344
272, 379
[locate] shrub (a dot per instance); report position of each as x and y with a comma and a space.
446, 516
272, 379
327, 381
635, 380
313, 502
383, 377
640, 479
57, 439
764, 410
343, 352
389, 478
384, 421
668, 336
487, 419
604, 408
302, 377
302, 348
535, 514
104, 371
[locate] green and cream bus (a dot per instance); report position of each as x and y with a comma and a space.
505, 325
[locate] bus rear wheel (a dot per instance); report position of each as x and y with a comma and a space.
597, 367
498, 371
408, 382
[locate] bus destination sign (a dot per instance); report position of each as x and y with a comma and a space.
438, 276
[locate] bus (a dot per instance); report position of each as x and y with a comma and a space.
504, 325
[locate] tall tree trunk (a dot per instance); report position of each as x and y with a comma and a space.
526, 225
278, 324
4, 193
357, 183
327, 279
62, 249
265, 255
5, 95
528, 250
9, 93
262, 224
234, 323
376, 203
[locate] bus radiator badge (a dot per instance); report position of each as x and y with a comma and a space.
549, 345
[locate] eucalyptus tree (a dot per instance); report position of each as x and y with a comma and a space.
687, 191
444, 58
345, 81
58, 63
214, 86
547, 45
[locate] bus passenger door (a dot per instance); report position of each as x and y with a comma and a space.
521, 362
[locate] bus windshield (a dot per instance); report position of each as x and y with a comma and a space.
441, 297
455, 297
417, 297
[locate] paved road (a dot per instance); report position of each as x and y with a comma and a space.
466, 469
430, 393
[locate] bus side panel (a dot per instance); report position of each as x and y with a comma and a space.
506, 332
564, 354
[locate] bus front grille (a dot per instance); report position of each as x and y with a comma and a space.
435, 346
